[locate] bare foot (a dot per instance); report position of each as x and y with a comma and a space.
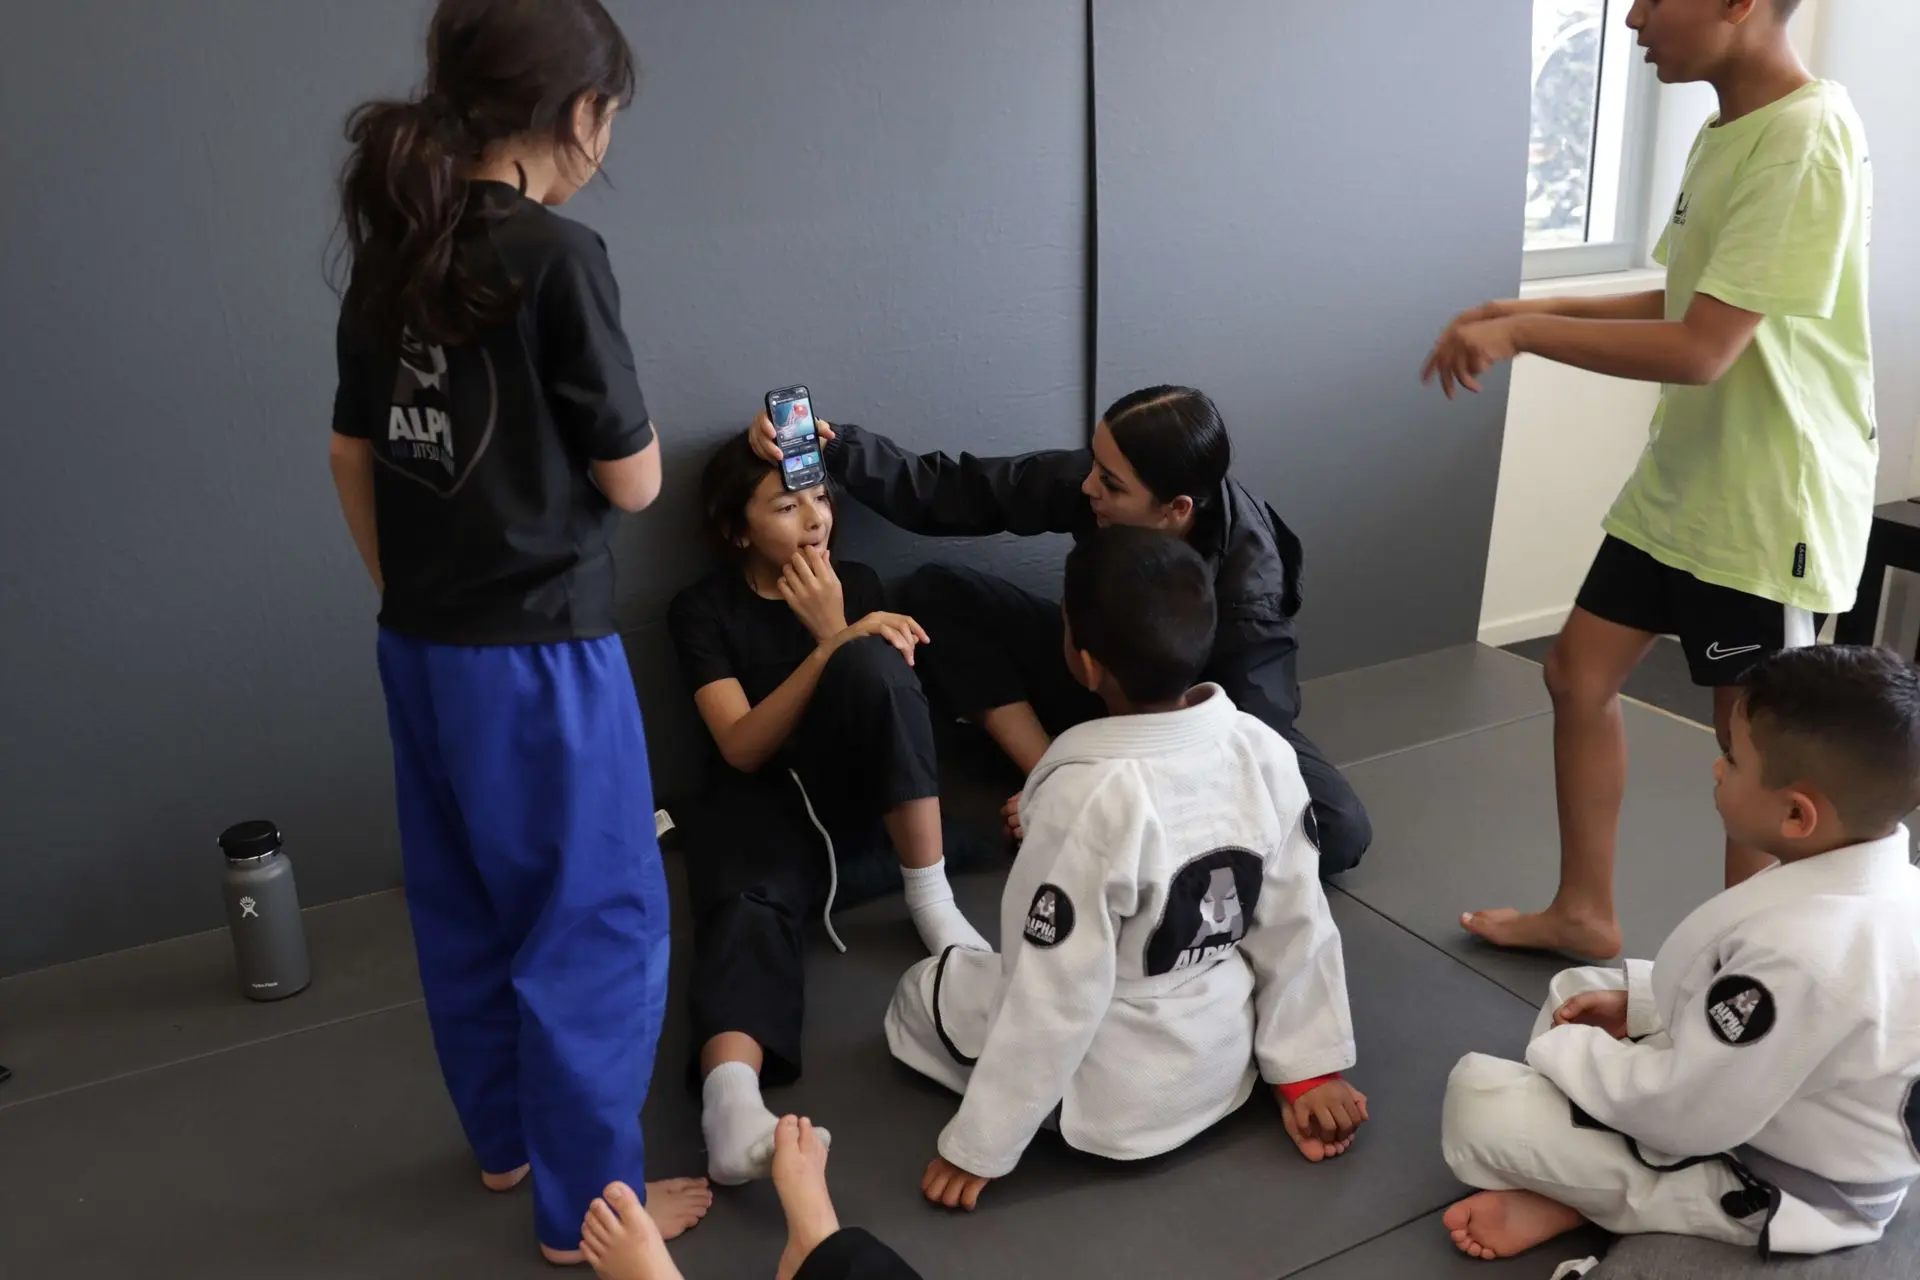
1500, 1224
676, 1205
622, 1241
1580, 936
800, 1176
505, 1181
1311, 1144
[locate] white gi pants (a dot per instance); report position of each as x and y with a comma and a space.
1506, 1127
941, 1011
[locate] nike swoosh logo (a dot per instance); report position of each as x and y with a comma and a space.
1715, 653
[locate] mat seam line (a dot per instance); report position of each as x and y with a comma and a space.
137, 1072
1442, 740
1360, 1244
1431, 946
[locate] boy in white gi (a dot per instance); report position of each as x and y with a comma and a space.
1166, 938
1757, 1083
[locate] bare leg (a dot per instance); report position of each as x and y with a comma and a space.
1589, 664
621, 1240
1500, 1224
1743, 862
800, 1176
1019, 733
731, 1046
915, 828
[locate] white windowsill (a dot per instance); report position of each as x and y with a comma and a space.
1639, 280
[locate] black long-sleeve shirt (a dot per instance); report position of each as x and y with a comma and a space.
1255, 558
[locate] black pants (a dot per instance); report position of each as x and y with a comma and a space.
757, 869
853, 1254
994, 644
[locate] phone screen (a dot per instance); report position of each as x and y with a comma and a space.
791, 410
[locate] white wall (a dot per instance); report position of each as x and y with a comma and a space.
1572, 438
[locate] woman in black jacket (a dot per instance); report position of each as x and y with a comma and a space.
1159, 459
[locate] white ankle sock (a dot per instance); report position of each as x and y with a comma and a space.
737, 1125
935, 914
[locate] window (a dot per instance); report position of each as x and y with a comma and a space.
1593, 104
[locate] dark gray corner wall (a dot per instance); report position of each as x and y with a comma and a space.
884, 199
887, 199
185, 633
1293, 196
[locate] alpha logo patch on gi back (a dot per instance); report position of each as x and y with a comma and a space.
1210, 904
1050, 918
1740, 1011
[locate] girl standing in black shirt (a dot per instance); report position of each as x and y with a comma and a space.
488, 429
826, 748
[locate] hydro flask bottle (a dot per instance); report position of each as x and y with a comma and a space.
263, 913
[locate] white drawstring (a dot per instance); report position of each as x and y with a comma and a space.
833, 862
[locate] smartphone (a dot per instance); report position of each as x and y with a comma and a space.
791, 411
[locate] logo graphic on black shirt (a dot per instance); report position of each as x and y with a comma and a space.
423, 436
1210, 904
1739, 1010
1050, 918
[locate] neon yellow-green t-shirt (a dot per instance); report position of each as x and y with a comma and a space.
1764, 481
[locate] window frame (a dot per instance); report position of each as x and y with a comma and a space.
1628, 249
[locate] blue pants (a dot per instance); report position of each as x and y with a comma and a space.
538, 901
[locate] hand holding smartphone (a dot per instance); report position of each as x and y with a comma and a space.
790, 409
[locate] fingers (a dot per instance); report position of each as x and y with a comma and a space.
824, 429
760, 436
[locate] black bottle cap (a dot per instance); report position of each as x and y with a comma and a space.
246, 840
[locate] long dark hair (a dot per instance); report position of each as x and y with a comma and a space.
496, 69
1176, 441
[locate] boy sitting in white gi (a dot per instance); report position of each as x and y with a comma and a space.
1166, 937
1756, 1083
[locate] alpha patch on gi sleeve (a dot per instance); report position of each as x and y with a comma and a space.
1740, 1011
1050, 918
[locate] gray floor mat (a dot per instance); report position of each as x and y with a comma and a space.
1471, 823
1359, 715
76, 1024
334, 1152
1422, 1250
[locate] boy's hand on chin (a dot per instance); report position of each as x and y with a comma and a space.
950, 1185
1322, 1123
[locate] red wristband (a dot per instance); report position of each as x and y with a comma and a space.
1294, 1092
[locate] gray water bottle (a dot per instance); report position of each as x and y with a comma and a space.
263, 913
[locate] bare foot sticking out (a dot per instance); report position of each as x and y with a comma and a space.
800, 1176
1501, 1224
676, 1205
1586, 938
498, 1182
622, 1241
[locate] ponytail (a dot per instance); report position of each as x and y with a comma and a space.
1175, 440
402, 197
498, 70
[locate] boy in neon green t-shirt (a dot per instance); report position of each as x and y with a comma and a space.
1748, 514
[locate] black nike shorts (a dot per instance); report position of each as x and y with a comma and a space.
1723, 631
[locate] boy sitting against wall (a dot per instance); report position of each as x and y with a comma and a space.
1166, 939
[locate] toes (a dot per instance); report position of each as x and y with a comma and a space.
600, 1216
619, 1197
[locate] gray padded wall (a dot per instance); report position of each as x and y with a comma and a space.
1293, 196
885, 199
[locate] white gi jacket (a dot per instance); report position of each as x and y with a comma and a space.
1164, 932
1779, 1023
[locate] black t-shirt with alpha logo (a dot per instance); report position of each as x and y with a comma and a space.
491, 528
